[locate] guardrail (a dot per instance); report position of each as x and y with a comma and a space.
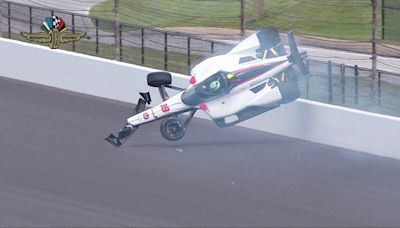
302, 119
339, 84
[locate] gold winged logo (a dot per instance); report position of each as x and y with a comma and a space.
39, 37
55, 33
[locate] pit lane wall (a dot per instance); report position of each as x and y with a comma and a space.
302, 119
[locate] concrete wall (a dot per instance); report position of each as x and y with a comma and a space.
308, 120
334, 125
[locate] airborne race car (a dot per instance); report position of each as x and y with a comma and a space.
254, 77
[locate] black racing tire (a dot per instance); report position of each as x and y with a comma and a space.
157, 79
172, 129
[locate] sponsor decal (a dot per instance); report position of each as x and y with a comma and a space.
256, 82
146, 116
192, 80
164, 108
203, 107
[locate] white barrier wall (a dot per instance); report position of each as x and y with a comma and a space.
302, 119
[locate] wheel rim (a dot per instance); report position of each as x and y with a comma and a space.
173, 129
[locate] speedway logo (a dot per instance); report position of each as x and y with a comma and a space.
54, 33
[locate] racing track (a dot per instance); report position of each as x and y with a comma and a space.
56, 170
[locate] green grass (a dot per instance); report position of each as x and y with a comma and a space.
392, 25
344, 19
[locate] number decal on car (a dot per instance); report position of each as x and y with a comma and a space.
164, 108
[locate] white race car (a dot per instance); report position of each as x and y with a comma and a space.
254, 77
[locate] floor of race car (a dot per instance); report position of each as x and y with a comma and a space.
56, 170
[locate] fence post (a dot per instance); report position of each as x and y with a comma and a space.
330, 81
52, 13
383, 19
97, 36
142, 45
30, 19
9, 19
356, 83
165, 51
1, 18
308, 78
120, 43
188, 53
379, 88
343, 82
73, 31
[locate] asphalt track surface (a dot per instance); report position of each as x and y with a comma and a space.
56, 170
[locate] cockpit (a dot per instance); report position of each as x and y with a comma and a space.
220, 84
213, 87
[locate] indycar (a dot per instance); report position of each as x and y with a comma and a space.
256, 76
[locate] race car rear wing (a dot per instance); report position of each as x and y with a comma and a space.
295, 56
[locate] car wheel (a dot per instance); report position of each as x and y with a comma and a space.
157, 79
172, 129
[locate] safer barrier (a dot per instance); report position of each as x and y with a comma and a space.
307, 120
